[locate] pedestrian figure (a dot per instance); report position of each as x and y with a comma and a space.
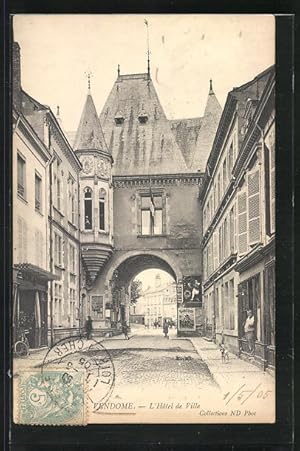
88, 327
249, 329
166, 328
125, 331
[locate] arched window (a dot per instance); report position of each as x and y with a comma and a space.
88, 209
102, 199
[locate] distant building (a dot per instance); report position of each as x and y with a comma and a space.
238, 201
157, 303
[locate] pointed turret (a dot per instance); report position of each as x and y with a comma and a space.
95, 191
209, 125
89, 134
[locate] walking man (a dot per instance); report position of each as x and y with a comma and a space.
166, 328
125, 331
88, 327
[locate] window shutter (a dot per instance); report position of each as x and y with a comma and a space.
242, 223
253, 207
272, 182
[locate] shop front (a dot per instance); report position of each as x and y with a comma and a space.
256, 308
30, 303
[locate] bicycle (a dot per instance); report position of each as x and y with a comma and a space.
21, 347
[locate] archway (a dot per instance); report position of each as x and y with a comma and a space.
159, 303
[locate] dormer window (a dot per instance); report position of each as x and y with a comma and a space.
143, 117
119, 118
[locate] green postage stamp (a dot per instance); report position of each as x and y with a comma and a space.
51, 398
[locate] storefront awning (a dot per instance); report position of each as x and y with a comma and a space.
35, 271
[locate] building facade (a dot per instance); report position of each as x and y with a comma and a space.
238, 201
151, 224
156, 304
46, 220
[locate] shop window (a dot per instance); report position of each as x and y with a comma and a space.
97, 306
21, 176
88, 209
38, 192
151, 215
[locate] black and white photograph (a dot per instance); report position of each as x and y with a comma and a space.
143, 204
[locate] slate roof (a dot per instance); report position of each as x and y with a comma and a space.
209, 125
89, 134
186, 132
139, 149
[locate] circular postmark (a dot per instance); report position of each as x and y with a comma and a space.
76, 354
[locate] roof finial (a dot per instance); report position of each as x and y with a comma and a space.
89, 74
148, 48
57, 111
118, 70
211, 91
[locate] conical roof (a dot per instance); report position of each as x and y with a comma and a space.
89, 134
209, 125
143, 142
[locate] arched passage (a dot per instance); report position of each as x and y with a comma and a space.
130, 264
123, 272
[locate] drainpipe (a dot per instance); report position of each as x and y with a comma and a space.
50, 238
263, 313
80, 297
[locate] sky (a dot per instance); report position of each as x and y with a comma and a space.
186, 52
147, 277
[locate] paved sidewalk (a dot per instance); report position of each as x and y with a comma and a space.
236, 372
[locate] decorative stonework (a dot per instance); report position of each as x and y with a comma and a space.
122, 182
88, 165
92, 165
102, 168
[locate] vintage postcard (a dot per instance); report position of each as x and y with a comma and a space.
143, 186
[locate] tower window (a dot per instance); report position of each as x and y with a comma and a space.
88, 210
102, 196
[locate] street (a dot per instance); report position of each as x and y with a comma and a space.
151, 372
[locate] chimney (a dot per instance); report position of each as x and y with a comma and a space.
16, 76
